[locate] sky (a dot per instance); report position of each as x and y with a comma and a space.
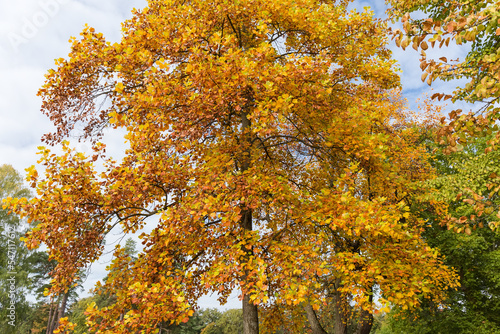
35, 32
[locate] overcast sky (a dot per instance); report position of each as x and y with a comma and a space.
35, 32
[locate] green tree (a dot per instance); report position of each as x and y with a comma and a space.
475, 306
475, 254
209, 315
230, 322
15, 259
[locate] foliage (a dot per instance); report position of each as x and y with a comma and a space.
474, 307
275, 156
23, 272
39, 318
196, 324
475, 254
466, 183
77, 313
461, 22
231, 322
209, 315
99, 298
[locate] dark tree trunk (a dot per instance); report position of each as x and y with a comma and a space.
313, 320
56, 312
250, 311
365, 321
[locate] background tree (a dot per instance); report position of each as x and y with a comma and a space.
258, 137
14, 257
464, 23
200, 320
229, 322
475, 254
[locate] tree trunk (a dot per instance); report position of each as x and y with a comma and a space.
339, 310
250, 311
250, 317
56, 312
365, 322
313, 320
50, 322
62, 308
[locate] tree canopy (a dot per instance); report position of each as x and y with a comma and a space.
267, 142
474, 26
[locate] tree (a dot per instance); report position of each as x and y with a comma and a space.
200, 320
474, 307
359, 261
229, 322
261, 139
461, 22
14, 258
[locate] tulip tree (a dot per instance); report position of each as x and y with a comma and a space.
264, 141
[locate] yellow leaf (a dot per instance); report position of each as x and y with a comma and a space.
119, 87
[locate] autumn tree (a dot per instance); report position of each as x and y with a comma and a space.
375, 243
265, 144
475, 28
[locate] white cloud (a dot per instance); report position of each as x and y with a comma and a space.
32, 34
